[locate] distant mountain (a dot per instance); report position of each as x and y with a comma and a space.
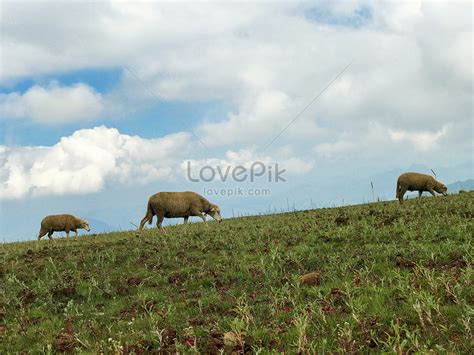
465, 185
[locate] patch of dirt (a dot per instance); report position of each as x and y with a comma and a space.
69, 291
356, 279
287, 308
36, 320
312, 278
134, 281
142, 260
65, 340
94, 331
26, 297
325, 238
338, 299
388, 221
257, 271
468, 214
373, 212
431, 264
341, 220
242, 346
369, 327
454, 261
404, 263
273, 344
326, 307
217, 283
400, 299
122, 290
67, 278
306, 227
459, 263
139, 307
28, 256
215, 343
131, 349
168, 340
176, 279
197, 321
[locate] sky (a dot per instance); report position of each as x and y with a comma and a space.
104, 103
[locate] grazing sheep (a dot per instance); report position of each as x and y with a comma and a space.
418, 182
61, 223
179, 204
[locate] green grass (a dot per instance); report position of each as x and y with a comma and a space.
392, 278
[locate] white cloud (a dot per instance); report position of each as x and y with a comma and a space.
333, 149
378, 147
412, 69
423, 140
256, 121
53, 104
88, 159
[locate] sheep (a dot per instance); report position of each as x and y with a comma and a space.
61, 223
418, 182
177, 205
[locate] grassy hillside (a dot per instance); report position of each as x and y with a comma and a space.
465, 185
389, 277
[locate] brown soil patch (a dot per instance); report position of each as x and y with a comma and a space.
312, 278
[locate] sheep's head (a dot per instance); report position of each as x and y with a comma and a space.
215, 212
441, 189
84, 225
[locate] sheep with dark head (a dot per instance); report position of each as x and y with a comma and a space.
61, 223
179, 205
418, 182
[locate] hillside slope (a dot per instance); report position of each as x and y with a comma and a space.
466, 185
390, 277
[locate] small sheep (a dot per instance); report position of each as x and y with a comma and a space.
179, 205
61, 223
418, 182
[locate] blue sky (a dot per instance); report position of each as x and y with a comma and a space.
358, 17
81, 133
157, 118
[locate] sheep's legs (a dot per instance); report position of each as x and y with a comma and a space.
50, 233
76, 233
432, 192
200, 215
419, 194
160, 219
148, 218
400, 194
